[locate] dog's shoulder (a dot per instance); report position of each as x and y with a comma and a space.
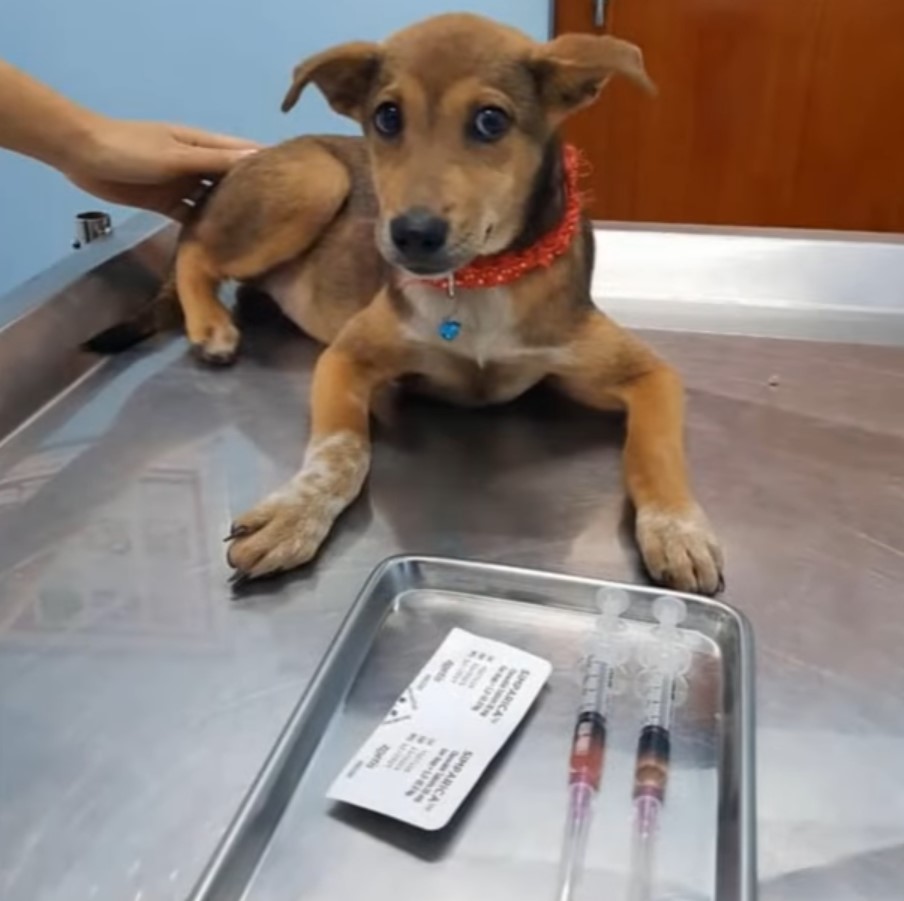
552, 303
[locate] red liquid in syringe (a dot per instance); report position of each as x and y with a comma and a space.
588, 749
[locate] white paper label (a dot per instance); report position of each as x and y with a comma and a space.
428, 753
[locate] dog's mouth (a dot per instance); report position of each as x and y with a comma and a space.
424, 270
437, 264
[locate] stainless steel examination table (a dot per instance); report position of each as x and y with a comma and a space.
137, 698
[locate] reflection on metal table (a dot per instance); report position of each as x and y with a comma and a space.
138, 699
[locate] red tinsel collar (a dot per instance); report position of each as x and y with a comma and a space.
508, 266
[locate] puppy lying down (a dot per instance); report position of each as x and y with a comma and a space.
445, 249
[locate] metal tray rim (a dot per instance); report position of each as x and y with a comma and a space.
247, 819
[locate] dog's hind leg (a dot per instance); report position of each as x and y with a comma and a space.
269, 210
207, 322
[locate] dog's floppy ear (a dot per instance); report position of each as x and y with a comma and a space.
344, 74
572, 70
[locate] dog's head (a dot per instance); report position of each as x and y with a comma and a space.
458, 113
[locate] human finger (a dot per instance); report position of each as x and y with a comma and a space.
198, 137
206, 160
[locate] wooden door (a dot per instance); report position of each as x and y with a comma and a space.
770, 113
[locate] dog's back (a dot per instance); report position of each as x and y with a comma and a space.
315, 190
340, 271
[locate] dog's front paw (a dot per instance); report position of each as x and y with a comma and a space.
680, 549
287, 529
280, 533
215, 342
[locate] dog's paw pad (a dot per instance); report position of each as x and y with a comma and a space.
680, 550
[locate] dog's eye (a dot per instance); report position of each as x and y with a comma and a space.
388, 119
490, 124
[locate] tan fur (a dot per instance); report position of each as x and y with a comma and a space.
207, 322
579, 65
308, 221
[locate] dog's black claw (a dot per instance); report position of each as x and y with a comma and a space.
721, 586
236, 531
239, 578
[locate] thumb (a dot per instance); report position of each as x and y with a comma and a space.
209, 160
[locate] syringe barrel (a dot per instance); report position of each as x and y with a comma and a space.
588, 749
595, 685
651, 773
659, 697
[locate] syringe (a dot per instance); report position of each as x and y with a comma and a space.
588, 749
664, 662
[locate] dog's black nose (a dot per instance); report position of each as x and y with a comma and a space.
418, 233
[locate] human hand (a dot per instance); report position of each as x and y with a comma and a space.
149, 164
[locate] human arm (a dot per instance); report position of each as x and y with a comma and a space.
145, 164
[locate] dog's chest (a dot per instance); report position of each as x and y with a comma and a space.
487, 361
484, 319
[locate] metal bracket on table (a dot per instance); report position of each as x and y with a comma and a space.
90, 226
599, 13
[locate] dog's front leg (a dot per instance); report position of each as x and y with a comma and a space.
610, 369
287, 528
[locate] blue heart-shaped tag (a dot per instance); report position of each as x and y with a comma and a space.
449, 329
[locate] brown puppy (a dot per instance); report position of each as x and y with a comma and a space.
459, 162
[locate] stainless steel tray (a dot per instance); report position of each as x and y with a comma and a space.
289, 842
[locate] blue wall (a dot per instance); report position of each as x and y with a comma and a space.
220, 64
